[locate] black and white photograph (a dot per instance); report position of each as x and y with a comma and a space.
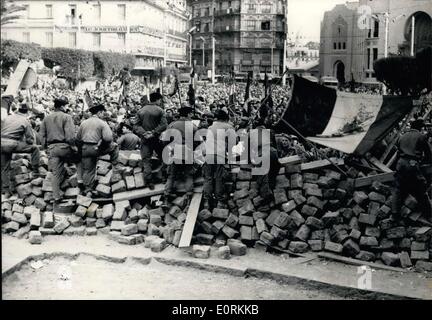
216, 154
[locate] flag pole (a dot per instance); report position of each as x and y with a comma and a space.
267, 97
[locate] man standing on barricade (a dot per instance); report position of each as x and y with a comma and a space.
95, 139
182, 154
151, 123
219, 136
413, 148
17, 137
57, 133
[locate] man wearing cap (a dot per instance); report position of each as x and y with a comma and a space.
151, 123
96, 139
17, 137
413, 148
57, 134
182, 150
216, 150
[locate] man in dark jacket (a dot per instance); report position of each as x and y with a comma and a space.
57, 134
151, 123
413, 148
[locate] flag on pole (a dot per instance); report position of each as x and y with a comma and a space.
267, 92
88, 102
191, 91
247, 93
348, 122
232, 88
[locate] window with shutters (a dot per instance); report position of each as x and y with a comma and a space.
122, 11
48, 10
265, 25
72, 39
96, 40
26, 36
49, 39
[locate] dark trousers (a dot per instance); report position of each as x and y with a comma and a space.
8, 148
90, 154
267, 183
176, 170
148, 146
410, 180
58, 155
214, 176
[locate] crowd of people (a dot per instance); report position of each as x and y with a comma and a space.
75, 130
62, 122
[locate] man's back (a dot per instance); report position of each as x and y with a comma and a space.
15, 127
129, 141
413, 144
57, 127
150, 116
216, 144
94, 130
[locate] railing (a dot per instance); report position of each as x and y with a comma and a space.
227, 11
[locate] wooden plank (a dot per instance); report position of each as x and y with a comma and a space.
191, 217
321, 164
139, 193
367, 181
386, 177
357, 262
291, 160
16, 78
300, 255
380, 165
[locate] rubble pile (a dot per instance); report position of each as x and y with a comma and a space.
315, 209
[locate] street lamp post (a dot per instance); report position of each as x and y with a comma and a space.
190, 49
213, 59
190, 32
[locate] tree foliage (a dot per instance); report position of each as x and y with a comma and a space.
406, 75
13, 51
75, 64
9, 11
107, 64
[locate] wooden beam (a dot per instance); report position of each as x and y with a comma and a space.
319, 164
291, 160
139, 193
191, 217
16, 78
367, 181
357, 262
386, 177
380, 165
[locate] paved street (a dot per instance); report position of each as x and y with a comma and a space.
98, 279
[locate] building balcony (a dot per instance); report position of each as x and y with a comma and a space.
227, 28
229, 11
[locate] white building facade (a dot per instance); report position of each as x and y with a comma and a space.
154, 31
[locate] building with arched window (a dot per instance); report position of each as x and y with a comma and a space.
353, 35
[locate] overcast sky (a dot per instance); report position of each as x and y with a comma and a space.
305, 16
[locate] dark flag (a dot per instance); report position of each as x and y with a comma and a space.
266, 85
247, 93
248, 85
348, 122
267, 93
